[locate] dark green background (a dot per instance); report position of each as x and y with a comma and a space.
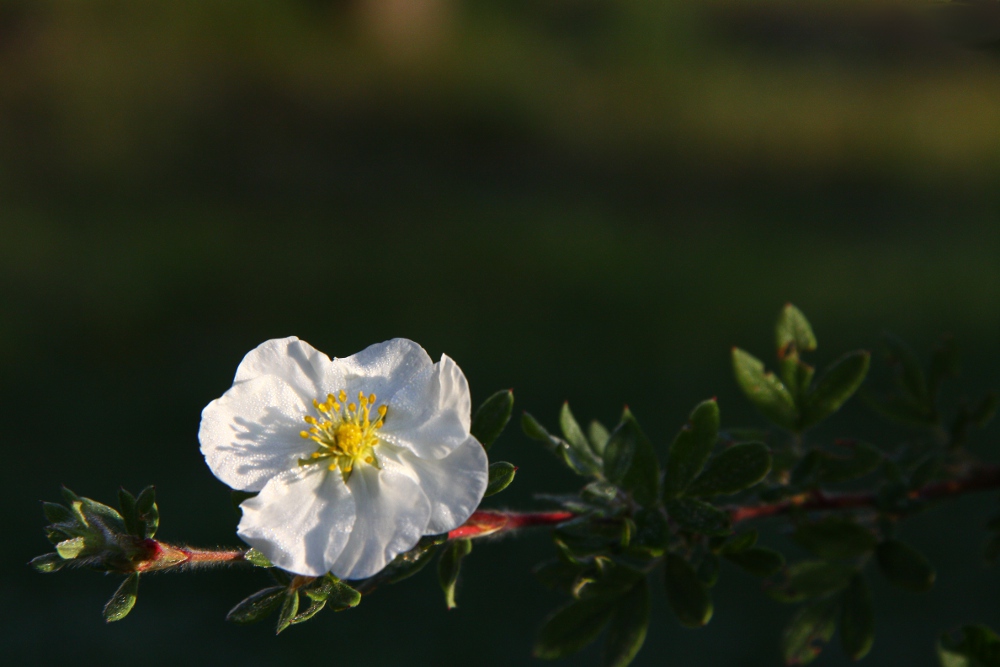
573, 198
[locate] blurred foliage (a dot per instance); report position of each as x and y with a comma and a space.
580, 199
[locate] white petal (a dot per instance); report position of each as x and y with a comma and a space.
430, 414
307, 370
301, 520
454, 484
383, 368
251, 433
392, 516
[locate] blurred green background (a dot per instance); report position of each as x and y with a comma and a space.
579, 199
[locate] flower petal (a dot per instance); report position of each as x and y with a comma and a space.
251, 433
454, 484
307, 370
382, 368
430, 414
392, 516
301, 520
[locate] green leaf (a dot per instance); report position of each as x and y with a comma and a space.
572, 627
98, 514
576, 439
57, 513
148, 512
338, 594
557, 446
838, 383
793, 328
627, 630
611, 583
557, 574
129, 514
809, 630
835, 538
905, 567
758, 561
257, 559
909, 374
687, 595
259, 605
768, 394
652, 532
630, 462
691, 448
699, 516
738, 543
70, 549
598, 435
857, 620
449, 566
501, 475
47, 563
407, 564
492, 416
975, 646
811, 579
289, 610
708, 569
123, 600
313, 609
735, 469
793, 335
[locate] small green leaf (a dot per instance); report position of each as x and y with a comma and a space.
259, 605
57, 513
857, 620
699, 516
835, 538
129, 515
98, 514
123, 600
905, 567
909, 374
837, 384
627, 630
70, 549
47, 563
492, 416
691, 448
289, 609
501, 475
758, 561
973, 646
449, 567
768, 394
557, 446
687, 595
148, 512
630, 462
811, 579
338, 594
572, 627
735, 469
809, 630
652, 531
256, 558
576, 439
708, 569
793, 328
597, 434
313, 609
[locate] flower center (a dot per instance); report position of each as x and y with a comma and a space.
344, 432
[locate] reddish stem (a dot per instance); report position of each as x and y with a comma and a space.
488, 522
987, 477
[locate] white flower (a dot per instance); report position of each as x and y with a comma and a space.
355, 459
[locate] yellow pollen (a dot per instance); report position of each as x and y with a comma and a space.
343, 395
352, 407
371, 399
382, 409
369, 459
304, 434
309, 419
345, 434
331, 399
